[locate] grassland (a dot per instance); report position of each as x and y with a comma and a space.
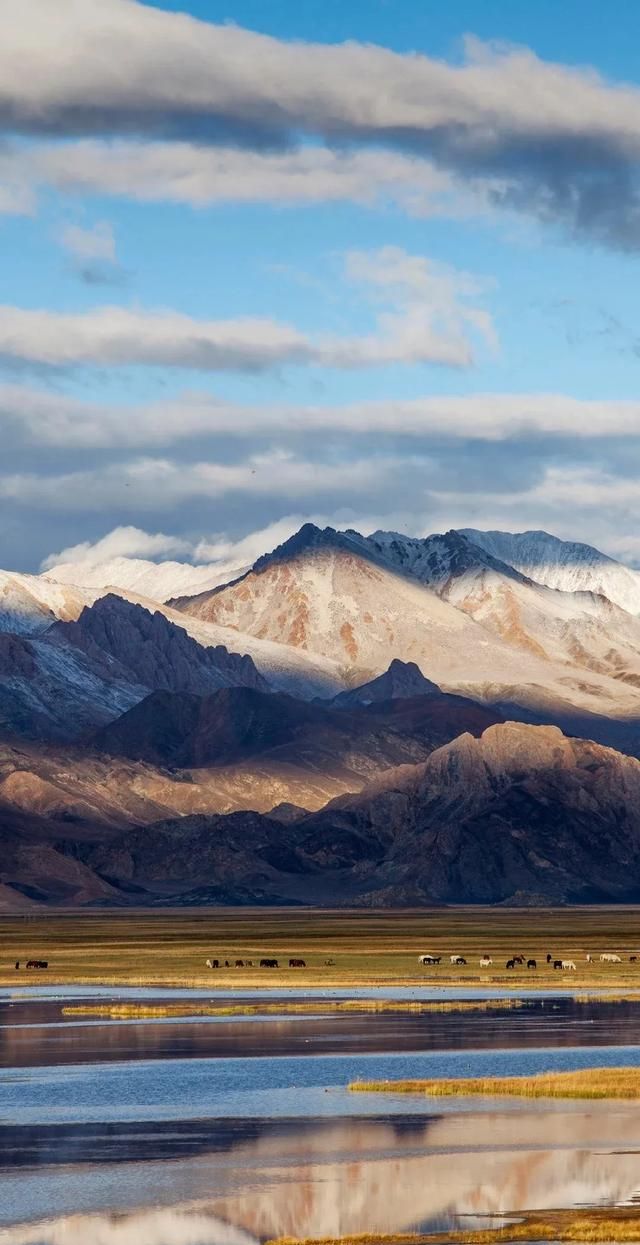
609, 1223
143, 1011
585, 1083
356, 948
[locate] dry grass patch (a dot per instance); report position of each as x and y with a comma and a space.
150, 1011
586, 1083
615, 1224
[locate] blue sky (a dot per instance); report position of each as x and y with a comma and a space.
222, 316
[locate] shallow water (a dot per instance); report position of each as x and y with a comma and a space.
229, 1131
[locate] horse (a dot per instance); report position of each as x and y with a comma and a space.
297, 964
532, 964
268, 964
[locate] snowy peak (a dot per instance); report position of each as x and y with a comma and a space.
311, 539
437, 559
569, 566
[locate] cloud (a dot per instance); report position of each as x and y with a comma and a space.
122, 542
146, 483
552, 140
96, 243
39, 417
183, 172
93, 253
426, 318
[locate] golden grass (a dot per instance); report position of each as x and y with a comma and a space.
607, 998
144, 1011
585, 1083
615, 1224
363, 948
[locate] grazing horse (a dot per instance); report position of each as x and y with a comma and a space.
518, 959
589, 959
213, 964
557, 963
248, 963
569, 964
268, 964
459, 959
609, 957
510, 964
429, 959
37, 963
549, 958
632, 959
532, 964
297, 964
239, 963
485, 961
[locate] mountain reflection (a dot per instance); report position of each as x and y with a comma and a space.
333, 1177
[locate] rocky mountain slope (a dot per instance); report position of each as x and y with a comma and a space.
77, 675
402, 680
521, 814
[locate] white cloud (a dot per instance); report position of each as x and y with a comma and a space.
122, 542
553, 140
97, 242
39, 417
149, 483
426, 318
199, 175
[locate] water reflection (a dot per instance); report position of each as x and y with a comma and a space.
332, 1177
34, 1033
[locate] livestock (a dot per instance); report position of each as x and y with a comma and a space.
632, 959
459, 959
329, 963
532, 964
213, 964
239, 963
589, 959
227, 964
248, 963
37, 963
429, 959
568, 964
485, 961
609, 957
297, 964
510, 964
549, 958
269, 964
557, 963
518, 959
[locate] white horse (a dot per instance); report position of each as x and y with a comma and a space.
569, 964
485, 961
608, 957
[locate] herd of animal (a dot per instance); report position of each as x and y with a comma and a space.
518, 961
264, 963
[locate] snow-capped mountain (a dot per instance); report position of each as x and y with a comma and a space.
29, 604
156, 580
471, 622
567, 565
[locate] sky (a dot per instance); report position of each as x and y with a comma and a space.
370, 264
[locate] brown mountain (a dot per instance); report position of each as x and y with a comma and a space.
521, 815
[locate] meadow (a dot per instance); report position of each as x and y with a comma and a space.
340, 948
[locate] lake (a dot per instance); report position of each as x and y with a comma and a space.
221, 1130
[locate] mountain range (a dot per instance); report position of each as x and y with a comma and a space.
360, 719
